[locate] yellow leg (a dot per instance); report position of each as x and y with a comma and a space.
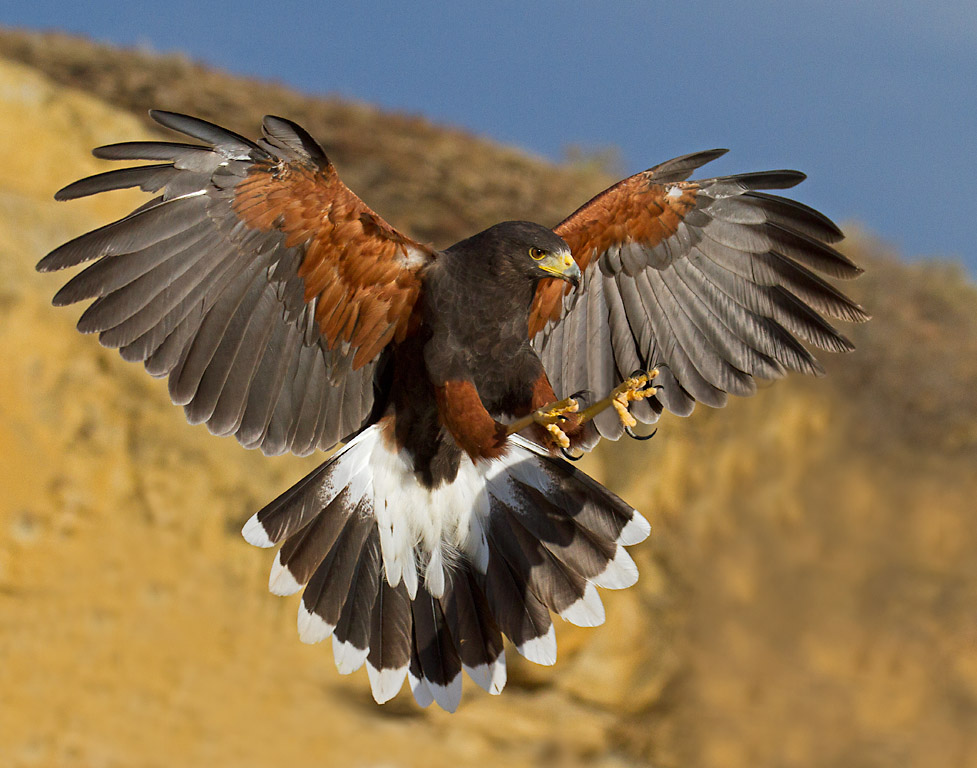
551, 416
628, 391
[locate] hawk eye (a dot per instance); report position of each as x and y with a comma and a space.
536, 253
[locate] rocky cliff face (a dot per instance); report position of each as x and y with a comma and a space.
807, 596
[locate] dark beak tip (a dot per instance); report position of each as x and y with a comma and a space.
575, 276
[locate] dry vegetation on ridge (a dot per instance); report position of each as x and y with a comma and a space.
808, 595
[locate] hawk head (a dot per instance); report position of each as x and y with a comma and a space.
521, 249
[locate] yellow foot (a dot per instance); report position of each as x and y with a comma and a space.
549, 417
632, 389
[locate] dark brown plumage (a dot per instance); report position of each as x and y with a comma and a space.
287, 313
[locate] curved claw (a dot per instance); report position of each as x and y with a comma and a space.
569, 456
635, 436
582, 395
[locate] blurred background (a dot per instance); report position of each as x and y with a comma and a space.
809, 591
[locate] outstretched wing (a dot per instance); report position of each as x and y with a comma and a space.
712, 280
256, 281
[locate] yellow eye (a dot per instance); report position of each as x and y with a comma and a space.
536, 253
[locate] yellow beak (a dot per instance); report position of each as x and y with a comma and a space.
561, 265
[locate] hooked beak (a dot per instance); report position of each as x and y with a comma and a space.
561, 265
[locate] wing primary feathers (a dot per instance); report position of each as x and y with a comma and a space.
214, 350
139, 306
783, 179
109, 275
172, 319
603, 374
680, 168
673, 322
814, 253
727, 362
794, 215
292, 137
171, 152
279, 358
741, 339
133, 233
773, 328
219, 138
149, 178
232, 397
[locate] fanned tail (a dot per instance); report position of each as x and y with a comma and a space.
421, 584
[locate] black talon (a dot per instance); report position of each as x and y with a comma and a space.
635, 436
582, 396
569, 456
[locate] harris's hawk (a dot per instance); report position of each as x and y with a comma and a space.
287, 313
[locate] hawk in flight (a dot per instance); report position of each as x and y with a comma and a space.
287, 313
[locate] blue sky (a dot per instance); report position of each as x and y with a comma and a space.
876, 101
